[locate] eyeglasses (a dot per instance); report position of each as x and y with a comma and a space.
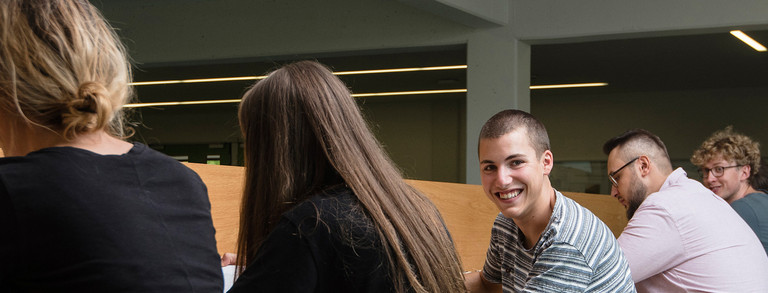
610, 175
717, 171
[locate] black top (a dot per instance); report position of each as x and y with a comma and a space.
326, 243
77, 221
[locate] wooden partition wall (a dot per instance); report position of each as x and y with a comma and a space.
468, 214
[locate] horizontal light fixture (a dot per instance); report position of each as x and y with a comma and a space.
208, 102
159, 104
430, 92
356, 72
746, 39
219, 79
394, 70
569, 85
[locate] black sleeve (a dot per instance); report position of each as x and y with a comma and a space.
284, 263
8, 250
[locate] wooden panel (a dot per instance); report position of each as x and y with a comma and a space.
225, 188
605, 207
467, 212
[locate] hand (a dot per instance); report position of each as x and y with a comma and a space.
228, 259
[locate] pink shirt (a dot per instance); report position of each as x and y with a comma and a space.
685, 238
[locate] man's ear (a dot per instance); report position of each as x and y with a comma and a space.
643, 166
745, 171
548, 161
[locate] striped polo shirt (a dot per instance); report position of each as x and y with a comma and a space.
576, 253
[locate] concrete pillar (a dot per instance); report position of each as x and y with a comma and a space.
498, 77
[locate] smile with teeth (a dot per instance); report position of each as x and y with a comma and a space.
508, 195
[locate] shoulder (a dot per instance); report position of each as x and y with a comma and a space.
333, 200
684, 199
757, 197
562, 265
574, 220
142, 153
503, 226
564, 253
742, 203
11, 165
150, 161
332, 207
580, 230
751, 204
42, 165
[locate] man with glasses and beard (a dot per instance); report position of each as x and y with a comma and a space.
681, 237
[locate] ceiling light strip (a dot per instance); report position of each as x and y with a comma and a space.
206, 102
220, 79
159, 104
410, 93
395, 70
570, 85
749, 41
356, 72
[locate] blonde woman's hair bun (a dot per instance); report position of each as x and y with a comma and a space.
90, 110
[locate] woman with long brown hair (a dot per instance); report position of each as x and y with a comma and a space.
324, 209
81, 209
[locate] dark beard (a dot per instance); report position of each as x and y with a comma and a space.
637, 198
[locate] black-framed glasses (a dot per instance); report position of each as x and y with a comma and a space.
610, 175
717, 171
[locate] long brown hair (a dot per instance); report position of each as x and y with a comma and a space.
303, 132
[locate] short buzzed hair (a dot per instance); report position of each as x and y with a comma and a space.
638, 142
732, 146
508, 120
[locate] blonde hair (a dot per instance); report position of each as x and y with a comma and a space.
304, 133
62, 67
732, 146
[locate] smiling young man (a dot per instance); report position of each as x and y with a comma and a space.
681, 237
729, 164
541, 240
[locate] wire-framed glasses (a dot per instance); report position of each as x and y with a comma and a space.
610, 175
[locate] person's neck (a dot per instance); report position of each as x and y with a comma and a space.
656, 180
743, 191
99, 142
35, 138
29, 138
533, 227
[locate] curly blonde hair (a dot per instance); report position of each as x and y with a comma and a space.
732, 146
62, 67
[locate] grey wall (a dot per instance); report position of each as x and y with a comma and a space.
579, 124
558, 21
205, 30
183, 31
